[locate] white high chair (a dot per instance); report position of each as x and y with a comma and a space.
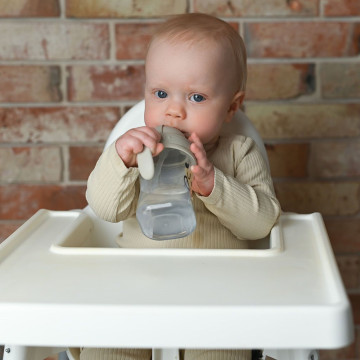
65, 283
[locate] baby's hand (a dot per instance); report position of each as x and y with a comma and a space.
133, 141
203, 181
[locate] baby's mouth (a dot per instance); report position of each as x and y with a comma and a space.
186, 134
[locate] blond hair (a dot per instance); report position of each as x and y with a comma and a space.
197, 27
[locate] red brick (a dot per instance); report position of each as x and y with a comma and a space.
106, 83
355, 303
328, 198
53, 41
302, 39
342, 8
30, 84
344, 234
296, 121
123, 9
349, 266
258, 8
266, 81
29, 8
82, 161
53, 125
288, 160
340, 80
335, 159
7, 228
132, 40
30, 164
19, 202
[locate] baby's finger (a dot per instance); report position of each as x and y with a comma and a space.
200, 154
159, 148
152, 132
203, 182
198, 171
131, 144
149, 137
194, 138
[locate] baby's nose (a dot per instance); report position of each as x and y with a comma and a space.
176, 110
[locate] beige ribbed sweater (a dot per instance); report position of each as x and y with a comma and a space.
242, 205
145, 354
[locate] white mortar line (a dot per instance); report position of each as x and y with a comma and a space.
112, 42
62, 4
65, 157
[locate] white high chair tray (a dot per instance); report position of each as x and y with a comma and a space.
59, 290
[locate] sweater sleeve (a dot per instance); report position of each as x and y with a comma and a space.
112, 188
244, 201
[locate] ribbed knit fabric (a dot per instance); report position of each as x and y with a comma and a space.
217, 355
115, 354
144, 354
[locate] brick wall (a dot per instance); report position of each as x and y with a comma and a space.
69, 69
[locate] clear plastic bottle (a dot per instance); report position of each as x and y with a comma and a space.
165, 208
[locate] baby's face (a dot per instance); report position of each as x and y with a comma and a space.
189, 87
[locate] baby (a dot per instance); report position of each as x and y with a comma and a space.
195, 82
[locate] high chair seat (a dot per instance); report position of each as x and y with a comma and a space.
65, 283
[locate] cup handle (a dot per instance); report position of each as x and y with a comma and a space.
146, 164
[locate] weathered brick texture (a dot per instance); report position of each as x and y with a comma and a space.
355, 301
266, 81
53, 41
106, 83
30, 83
328, 198
344, 234
302, 39
22, 201
349, 266
258, 8
340, 80
57, 124
29, 8
123, 9
335, 159
132, 40
299, 121
82, 161
30, 164
70, 68
288, 160
342, 8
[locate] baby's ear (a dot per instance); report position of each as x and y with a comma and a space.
235, 104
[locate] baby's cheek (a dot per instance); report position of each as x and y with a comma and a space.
151, 119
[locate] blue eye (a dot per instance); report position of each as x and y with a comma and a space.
197, 98
161, 94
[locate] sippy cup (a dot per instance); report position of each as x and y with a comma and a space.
164, 208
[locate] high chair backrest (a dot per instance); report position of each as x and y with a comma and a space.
239, 125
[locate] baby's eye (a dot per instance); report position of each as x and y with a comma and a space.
161, 94
197, 98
